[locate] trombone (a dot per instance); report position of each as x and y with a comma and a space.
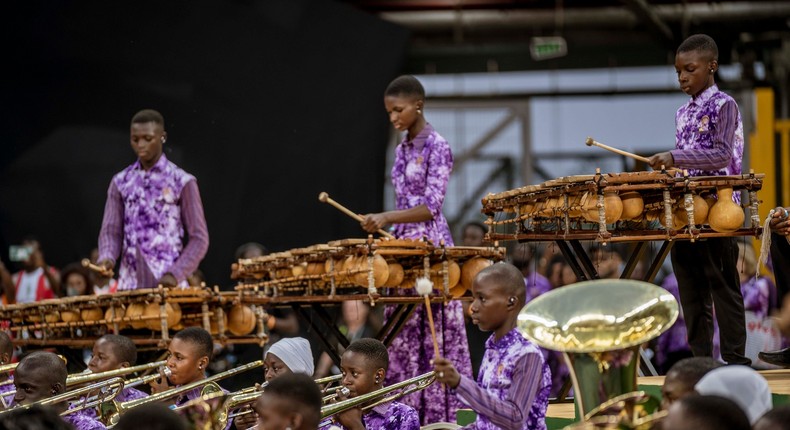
108, 390
121, 408
243, 398
407, 387
86, 377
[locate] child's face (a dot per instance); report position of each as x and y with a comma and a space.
104, 357
489, 309
75, 284
673, 389
32, 385
185, 362
273, 413
694, 71
147, 140
359, 375
402, 111
274, 367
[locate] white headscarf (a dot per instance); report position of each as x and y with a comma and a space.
741, 384
295, 352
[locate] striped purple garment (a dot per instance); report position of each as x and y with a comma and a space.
512, 389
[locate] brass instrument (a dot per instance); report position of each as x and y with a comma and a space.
407, 387
122, 408
83, 378
108, 390
600, 339
243, 398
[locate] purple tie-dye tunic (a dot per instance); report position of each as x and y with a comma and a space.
420, 176
387, 416
154, 203
125, 395
512, 389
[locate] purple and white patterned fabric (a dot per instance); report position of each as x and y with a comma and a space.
709, 135
8, 399
420, 175
756, 295
143, 223
392, 416
675, 339
81, 420
125, 395
512, 389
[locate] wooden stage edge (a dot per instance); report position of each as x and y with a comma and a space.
778, 381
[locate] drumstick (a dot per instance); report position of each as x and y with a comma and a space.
99, 269
324, 197
592, 142
424, 287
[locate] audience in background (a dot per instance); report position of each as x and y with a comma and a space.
76, 280
36, 281
473, 234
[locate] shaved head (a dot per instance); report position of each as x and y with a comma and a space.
507, 277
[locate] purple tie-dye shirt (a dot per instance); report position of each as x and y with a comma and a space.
144, 213
387, 416
81, 420
756, 295
536, 284
512, 389
675, 339
7, 399
709, 135
125, 395
420, 175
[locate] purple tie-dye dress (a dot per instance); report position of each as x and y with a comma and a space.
420, 175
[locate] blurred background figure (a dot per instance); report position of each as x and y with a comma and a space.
473, 234
36, 281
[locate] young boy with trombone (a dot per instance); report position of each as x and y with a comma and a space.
364, 366
512, 389
42, 375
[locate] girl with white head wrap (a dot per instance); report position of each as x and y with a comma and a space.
741, 384
295, 353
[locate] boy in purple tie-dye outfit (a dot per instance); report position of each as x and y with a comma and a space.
512, 389
41, 375
150, 205
363, 366
420, 173
708, 141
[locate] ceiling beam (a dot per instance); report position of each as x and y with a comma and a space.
646, 14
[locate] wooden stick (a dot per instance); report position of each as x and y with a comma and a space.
592, 142
429, 311
108, 273
324, 198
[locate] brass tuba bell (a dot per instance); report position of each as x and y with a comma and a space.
599, 327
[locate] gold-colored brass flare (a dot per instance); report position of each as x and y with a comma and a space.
599, 327
107, 391
122, 408
381, 396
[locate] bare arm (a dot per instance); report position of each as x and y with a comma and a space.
373, 222
9, 289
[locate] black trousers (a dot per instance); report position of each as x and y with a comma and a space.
707, 277
780, 257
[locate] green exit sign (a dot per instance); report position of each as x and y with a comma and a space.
544, 48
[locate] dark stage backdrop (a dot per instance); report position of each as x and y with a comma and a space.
266, 102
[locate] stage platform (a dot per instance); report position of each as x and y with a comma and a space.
560, 415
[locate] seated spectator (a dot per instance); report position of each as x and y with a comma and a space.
76, 280
741, 384
356, 324
696, 412
36, 281
683, 376
473, 234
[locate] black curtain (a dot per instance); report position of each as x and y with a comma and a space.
266, 102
